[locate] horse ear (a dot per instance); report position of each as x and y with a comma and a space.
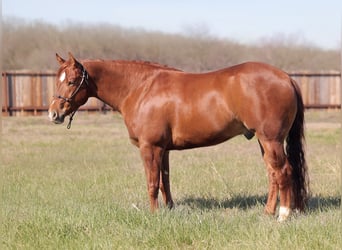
60, 60
72, 59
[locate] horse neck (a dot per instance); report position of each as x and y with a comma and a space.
115, 80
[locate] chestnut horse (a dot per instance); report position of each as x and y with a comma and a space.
167, 109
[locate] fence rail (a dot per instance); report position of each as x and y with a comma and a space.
29, 93
319, 90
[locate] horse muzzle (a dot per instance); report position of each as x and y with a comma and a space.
55, 117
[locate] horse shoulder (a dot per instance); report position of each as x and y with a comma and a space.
145, 111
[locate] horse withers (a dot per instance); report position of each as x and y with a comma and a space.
167, 109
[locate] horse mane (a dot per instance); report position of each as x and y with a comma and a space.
147, 64
137, 62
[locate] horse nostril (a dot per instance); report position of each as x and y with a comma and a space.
55, 117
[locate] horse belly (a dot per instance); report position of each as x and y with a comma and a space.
204, 133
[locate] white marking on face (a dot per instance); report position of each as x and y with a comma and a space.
50, 112
50, 116
62, 76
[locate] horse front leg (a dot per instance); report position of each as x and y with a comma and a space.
152, 158
165, 181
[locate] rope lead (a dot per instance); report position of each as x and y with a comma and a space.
70, 119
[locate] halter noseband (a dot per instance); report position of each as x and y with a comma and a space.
85, 77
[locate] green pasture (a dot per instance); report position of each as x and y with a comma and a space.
85, 188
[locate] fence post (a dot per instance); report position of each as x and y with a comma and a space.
10, 94
4, 98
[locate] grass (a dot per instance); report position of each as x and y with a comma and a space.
85, 188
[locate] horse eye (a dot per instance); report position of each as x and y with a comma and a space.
70, 83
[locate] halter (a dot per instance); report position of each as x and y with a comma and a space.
85, 77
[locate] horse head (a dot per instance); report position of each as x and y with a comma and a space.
71, 89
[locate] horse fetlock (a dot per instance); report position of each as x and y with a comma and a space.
284, 213
269, 211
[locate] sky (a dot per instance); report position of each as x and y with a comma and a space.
314, 22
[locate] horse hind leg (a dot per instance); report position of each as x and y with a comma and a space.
280, 178
272, 186
165, 181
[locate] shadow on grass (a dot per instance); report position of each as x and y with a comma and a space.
240, 201
244, 202
318, 203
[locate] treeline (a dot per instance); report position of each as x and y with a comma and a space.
32, 45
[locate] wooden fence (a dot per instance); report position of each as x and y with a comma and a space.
30, 93
320, 90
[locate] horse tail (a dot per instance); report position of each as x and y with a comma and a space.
296, 155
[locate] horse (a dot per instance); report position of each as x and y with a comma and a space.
168, 109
